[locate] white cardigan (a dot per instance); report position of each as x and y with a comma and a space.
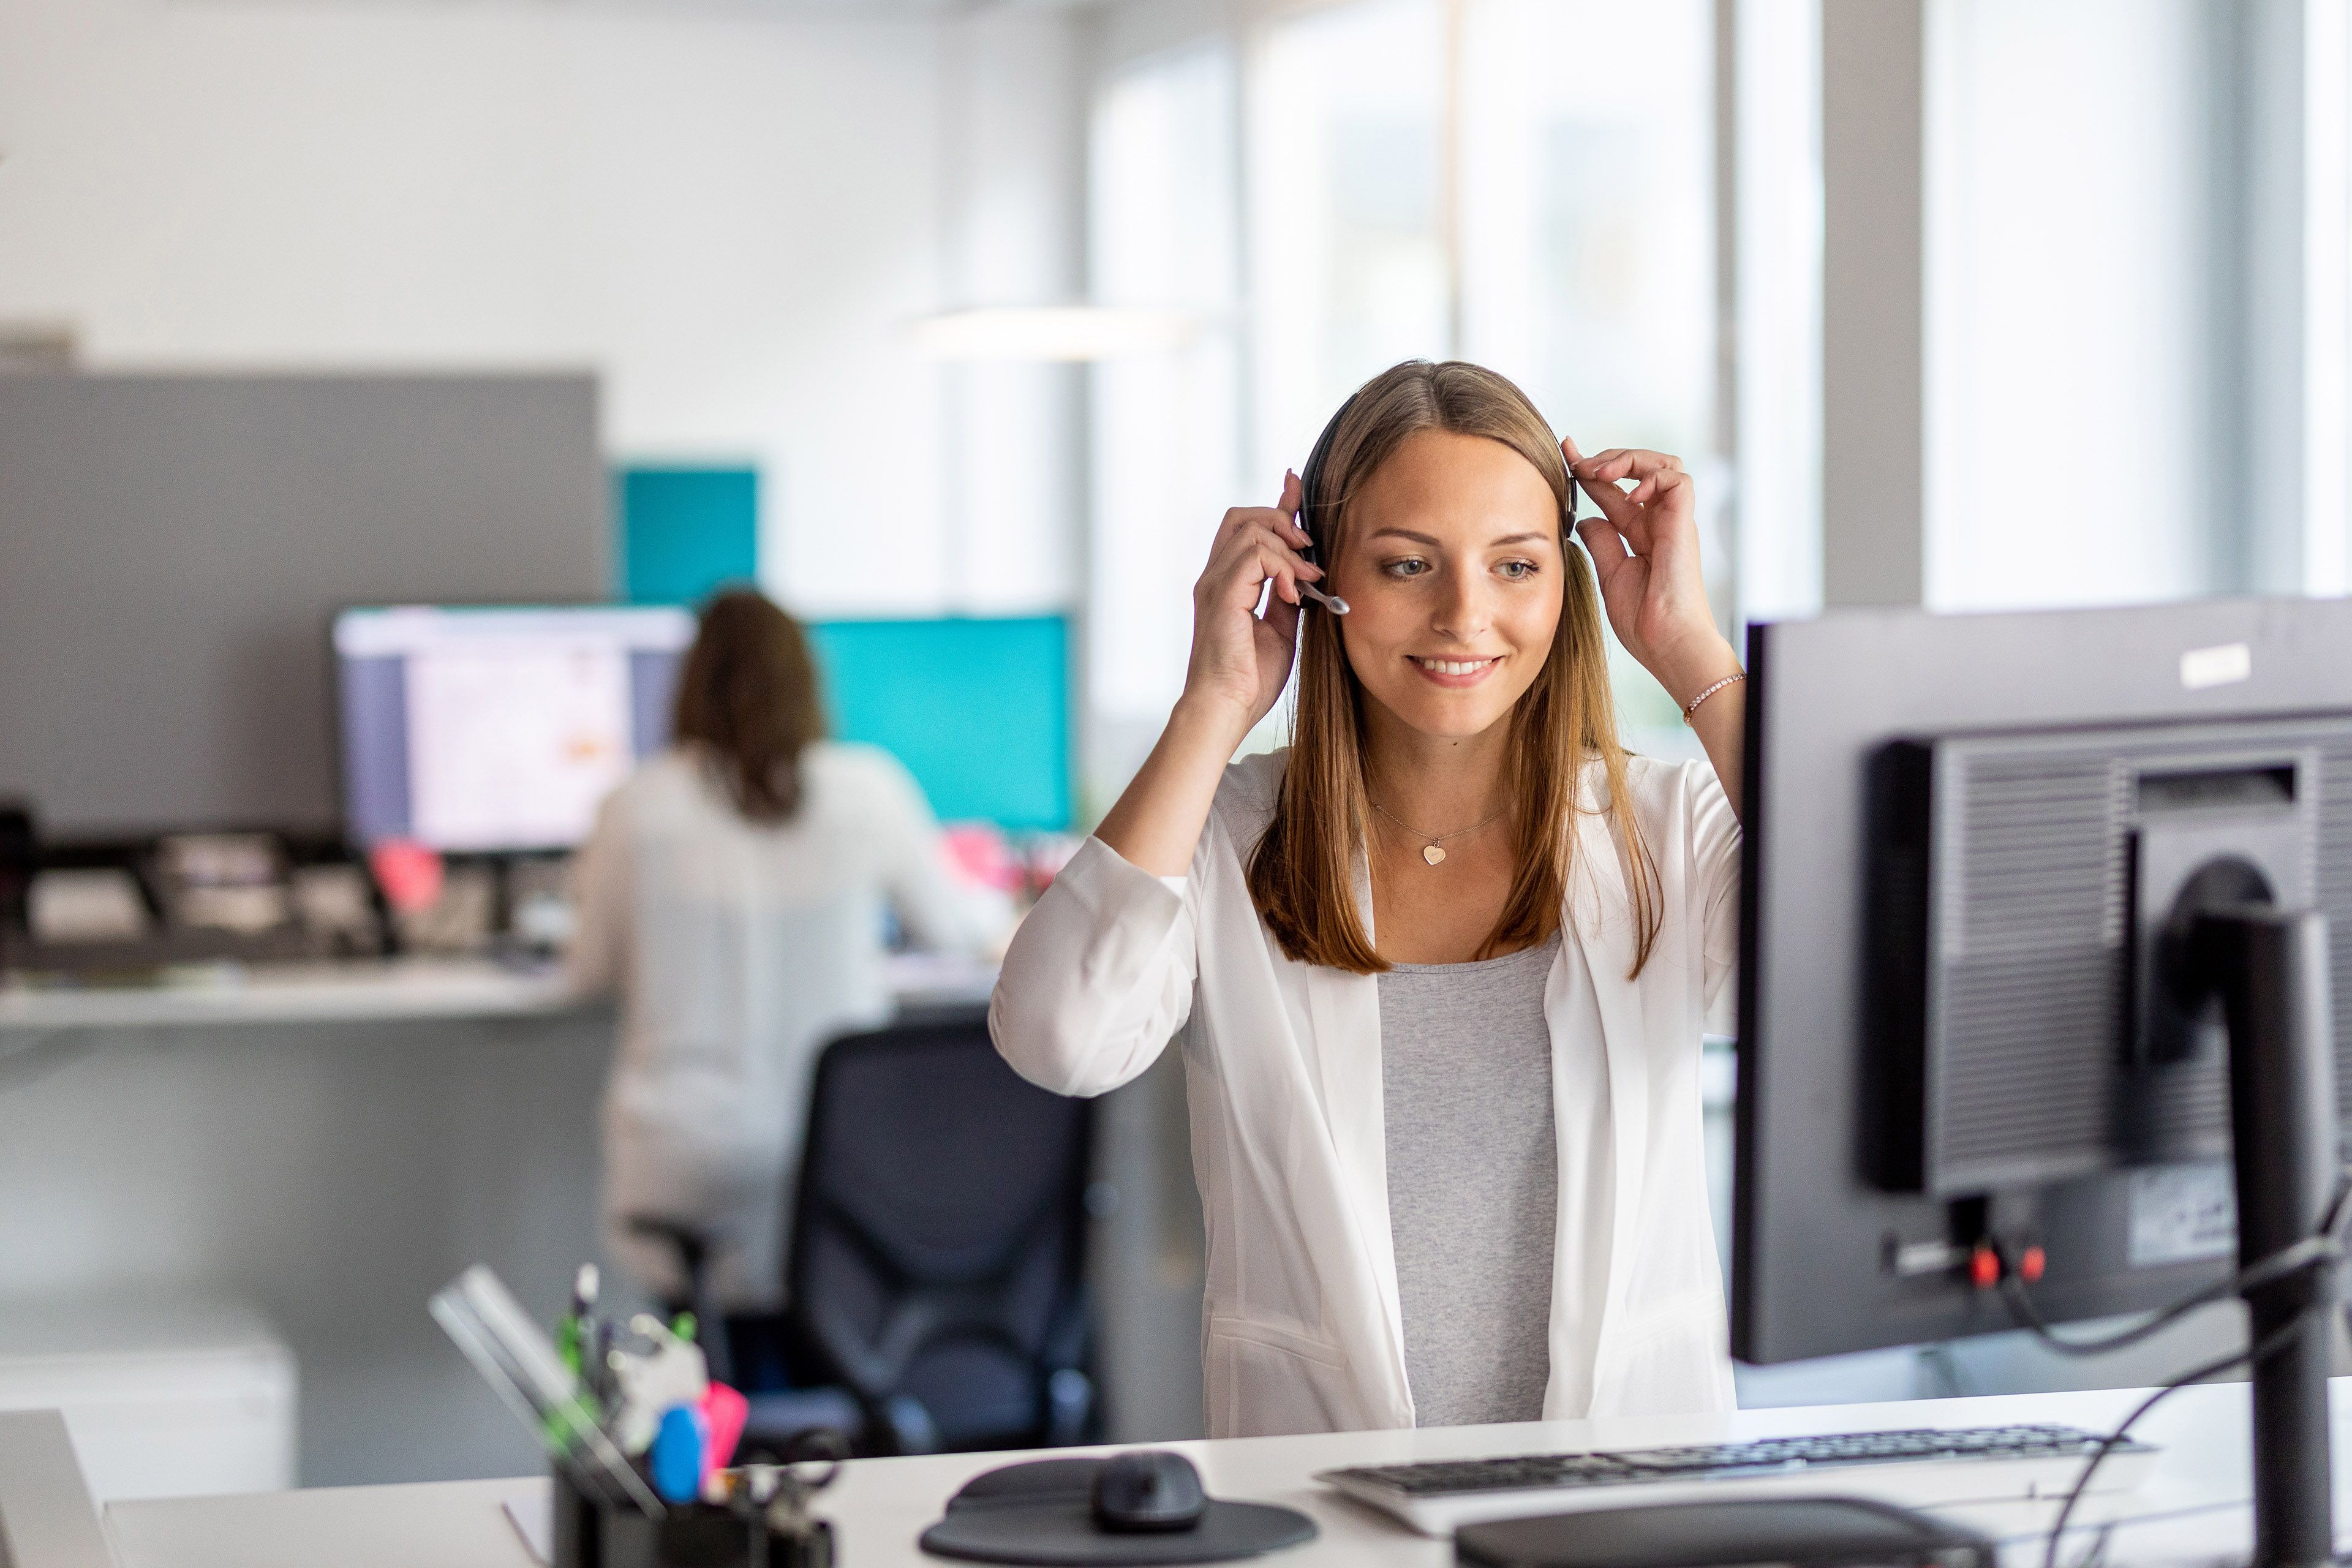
737, 948
1300, 1326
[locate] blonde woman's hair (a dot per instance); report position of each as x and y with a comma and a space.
1302, 873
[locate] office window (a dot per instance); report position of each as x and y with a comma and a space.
1442, 180
2075, 287
1163, 220
1349, 253
1775, 401
1587, 241
1587, 221
1425, 178
2327, 247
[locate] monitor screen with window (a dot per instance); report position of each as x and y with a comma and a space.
488, 730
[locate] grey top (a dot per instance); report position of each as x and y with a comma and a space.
1473, 1181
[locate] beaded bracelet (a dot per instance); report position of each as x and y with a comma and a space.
1692, 706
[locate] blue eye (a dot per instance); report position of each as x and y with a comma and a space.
1406, 566
1516, 571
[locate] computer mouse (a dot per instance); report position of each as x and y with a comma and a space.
1149, 1489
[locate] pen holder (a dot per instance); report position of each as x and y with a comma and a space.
590, 1533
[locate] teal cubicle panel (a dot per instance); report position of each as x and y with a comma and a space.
979, 710
686, 532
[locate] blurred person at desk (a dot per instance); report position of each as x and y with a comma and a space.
732, 896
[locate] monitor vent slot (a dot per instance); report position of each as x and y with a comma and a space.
2041, 864
2032, 863
2035, 922
2334, 882
2022, 1091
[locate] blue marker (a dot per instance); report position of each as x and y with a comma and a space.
676, 1457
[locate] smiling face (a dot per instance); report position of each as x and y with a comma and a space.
1452, 571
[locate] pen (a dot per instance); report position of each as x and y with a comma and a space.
577, 1325
574, 1337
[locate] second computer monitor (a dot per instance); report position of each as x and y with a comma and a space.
1969, 842
498, 730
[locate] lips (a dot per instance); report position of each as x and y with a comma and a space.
1455, 671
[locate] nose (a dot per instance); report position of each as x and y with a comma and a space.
1466, 607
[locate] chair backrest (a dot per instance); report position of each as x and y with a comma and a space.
937, 1246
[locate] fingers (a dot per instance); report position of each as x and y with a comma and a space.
1282, 614
1624, 463
1658, 477
1606, 547
1251, 549
1282, 520
1658, 485
1293, 494
1627, 462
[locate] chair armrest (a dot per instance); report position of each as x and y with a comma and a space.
909, 1426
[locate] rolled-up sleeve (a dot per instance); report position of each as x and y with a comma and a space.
1099, 975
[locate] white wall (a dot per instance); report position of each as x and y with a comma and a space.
732, 216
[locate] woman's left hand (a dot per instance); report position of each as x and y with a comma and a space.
1645, 550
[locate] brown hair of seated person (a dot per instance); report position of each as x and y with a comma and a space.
748, 697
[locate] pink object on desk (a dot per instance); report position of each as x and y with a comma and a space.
408, 872
726, 1411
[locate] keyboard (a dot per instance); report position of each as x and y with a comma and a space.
1919, 1466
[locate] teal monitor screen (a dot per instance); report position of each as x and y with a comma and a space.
977, 709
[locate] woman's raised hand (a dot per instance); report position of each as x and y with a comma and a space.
1645, 550
1240, 663
1241, 659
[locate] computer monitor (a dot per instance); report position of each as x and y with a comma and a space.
978, 708
498, 729
1970, 1051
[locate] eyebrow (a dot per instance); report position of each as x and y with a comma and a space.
1433, 543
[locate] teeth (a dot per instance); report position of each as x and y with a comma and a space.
1454, 666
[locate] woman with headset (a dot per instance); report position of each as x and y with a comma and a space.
1440, 966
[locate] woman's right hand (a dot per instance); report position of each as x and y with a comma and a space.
1241, 660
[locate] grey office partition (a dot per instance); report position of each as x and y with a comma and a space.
172, 547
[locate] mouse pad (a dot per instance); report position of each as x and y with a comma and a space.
1042, 1513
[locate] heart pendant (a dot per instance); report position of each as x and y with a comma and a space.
1433, 854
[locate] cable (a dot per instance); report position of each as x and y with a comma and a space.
2311, 1251
2326, 1247
2282, 1337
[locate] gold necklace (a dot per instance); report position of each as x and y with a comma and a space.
1434, 850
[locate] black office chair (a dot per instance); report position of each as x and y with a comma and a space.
935, 1280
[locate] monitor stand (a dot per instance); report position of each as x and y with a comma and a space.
2267, 967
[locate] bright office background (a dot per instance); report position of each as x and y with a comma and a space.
1967, 304
2131, 275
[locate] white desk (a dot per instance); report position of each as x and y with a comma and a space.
390, 989
2191, 1509
327, 1145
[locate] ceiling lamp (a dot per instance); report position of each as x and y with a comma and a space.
1065, 332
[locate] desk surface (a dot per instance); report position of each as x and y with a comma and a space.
2190, 1510
360, 991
